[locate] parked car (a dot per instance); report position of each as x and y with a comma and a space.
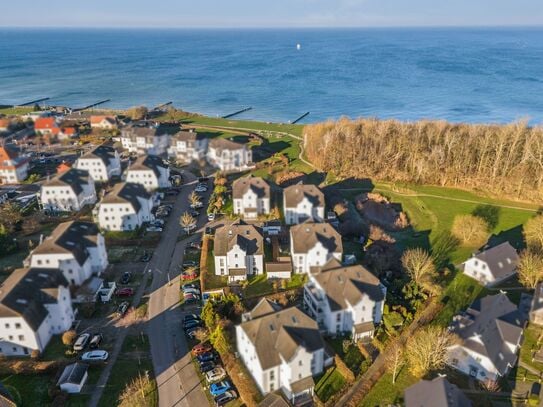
158, 222
194, 291
189, 263
207, 366
195, 245
167, 207
190, 285
81, 341
153, 229
211, 217
203, 180
201, 348
189, 276
194, 213
191, 324
216, 389
225, 398
95, 341
123, 308
200, 188
124, 292
146, 257
209, 230
191, 298
94, 355
172, 192
206, 357
126, 277
197, 205
215, 375
192, 332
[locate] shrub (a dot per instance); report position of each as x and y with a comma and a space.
68, 337
470, 229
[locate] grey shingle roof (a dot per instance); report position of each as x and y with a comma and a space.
73, 373
348, 285
296, 193
435, 393
279, 334
127, 192
225, 144
260, 187
103, 152
70, 237
502, 259
248, 237
305, 235
74, 178
148, 162
488, 326
187, 135
26, 291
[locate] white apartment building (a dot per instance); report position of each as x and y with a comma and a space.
149, 171
35, 304
228, 155
493, 265
187, 146
102, 163
68, 191
127, 207
251, 197
239, 251
76, 248
490, 332
302, 202
13, 168
312, 245
345, 300
144, 138
281, 349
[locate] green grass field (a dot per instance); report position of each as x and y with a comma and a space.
384, 393
329, 384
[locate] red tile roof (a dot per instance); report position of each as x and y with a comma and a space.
45, 123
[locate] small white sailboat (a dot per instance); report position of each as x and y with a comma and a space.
298, 46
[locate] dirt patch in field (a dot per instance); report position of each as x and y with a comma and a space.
376, 209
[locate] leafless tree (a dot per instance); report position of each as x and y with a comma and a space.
533, 232
470, 229
530, 268
187, 221
419, 265
394, 358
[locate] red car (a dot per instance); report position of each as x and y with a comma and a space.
189, 276
201, 348
124, 292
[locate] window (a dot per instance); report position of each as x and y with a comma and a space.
21, 337
300, 363
17, 325
7, 326
272, 375
338, 317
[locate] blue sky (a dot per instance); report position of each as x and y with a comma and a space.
270, 13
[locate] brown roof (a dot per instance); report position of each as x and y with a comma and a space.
276, 267
187, 135
256, 184
26, 291
248, 237
273, 400
302, 385
237, 272
364, 327
306, 235
127, 192
344, 286
225, 144
279, 334
70, 237
296, 193
100, 119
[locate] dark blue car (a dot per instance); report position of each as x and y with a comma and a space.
206, 357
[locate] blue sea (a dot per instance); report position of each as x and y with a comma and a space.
462, 75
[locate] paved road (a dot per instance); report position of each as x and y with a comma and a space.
178, 383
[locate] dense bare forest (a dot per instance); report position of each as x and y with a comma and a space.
503, 160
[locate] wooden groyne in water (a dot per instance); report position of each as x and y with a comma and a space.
236, 113
301, 117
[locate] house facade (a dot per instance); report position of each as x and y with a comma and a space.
127, 207
187, 146
68, 192
35, 304
228, 155
76, 248
490, 332
281, 348
251, 197
302, 202
47, 126
345, 300
13, 168
103, 122
102, 163
493, 265
239, 251
144, 138
312, 245
536, 309
150, 171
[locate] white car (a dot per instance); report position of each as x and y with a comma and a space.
81, 341
157, 222
95, 355
211, 217
191, 291
200, 189
215, 375
154, 229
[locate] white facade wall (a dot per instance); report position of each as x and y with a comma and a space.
303, 211
123, 217
229, 160
316, 256
14, 175
149, 179
250, 200
97, 169
187, 151
479, 270
465, 360
237, 258
64, 199
157, 146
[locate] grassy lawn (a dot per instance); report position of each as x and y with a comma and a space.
33, 389
384, 393
10, 262
529, 346
353, 358
16, 110
121, 254
56, 349
134, 360
260, 285
329, 384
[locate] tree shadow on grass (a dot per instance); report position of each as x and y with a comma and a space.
490, 214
